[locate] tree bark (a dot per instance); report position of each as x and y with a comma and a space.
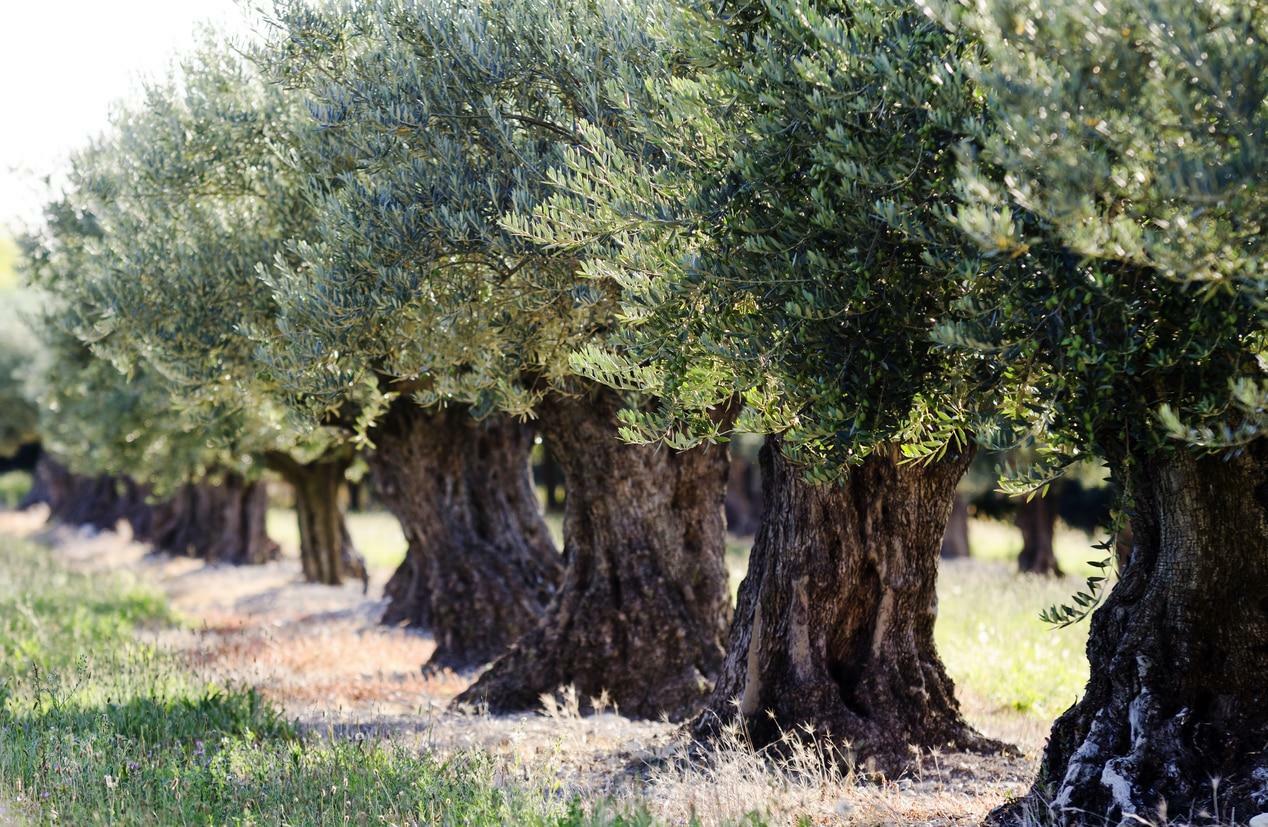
1178, 693
220, 522
480, 566
1037, 519
955, 541
833, 634
326, 551
642, 613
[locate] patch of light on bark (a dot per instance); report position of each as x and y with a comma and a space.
1120, 789
801, 631
753, 668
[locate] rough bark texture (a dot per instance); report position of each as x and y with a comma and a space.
221, 522
833, 634
1178, 693
643, 608
955, 541
481, 566
326, 551
1037, 519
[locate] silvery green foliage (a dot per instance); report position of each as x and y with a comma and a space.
447, 119
19, 417
194, 190
786, 237
1125, 173
93, 416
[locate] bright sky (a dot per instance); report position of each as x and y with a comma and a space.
64, 62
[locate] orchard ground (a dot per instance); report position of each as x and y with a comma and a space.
140, 688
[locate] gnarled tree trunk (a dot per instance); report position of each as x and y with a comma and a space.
1037, 519
1178, 693
326, 552
833, 634
955, 541
220, 522
642, 611
481, 566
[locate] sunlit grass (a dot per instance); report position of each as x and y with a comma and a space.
377, 535
1001, 541
994, 644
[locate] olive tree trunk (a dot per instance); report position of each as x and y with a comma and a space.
642, 613
1037, 520
480, 566
955, 541
326, 551
1178, 693
75, 499
833, 633
220, 522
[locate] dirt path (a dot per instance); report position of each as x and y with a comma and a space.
321, 655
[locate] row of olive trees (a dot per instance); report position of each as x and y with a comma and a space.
879, 232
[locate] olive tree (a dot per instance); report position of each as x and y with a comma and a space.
19, 417
778, 226
117, 444
194, 189
1125, 173
453, 115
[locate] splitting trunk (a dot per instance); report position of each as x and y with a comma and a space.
326, 552
955, 542
642, 613
1179, 653
1037, 520
480, 566
833, 634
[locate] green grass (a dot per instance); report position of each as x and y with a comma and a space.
14, 485
1001, 542
97, 727
994, 645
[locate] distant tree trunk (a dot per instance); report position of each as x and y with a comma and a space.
552, 481
1178, 694
74, 499
326, 552
833, 634
480, 566
220, 522
955, 542
1037, 519
356, 495
741, 515
642, 611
